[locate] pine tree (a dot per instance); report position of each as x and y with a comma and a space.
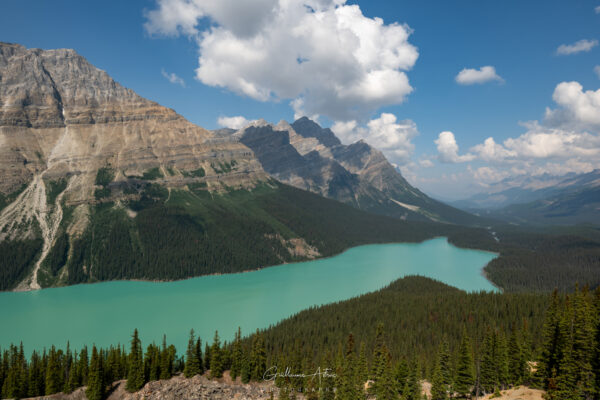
401, 375
237, 355
83, 366
216, 360
516, 360
549, 357
412, 390
135, 372
166, 361
53, 373
362, 367
502, 360
258, 358
464, 368
192, 363
380, 359
36, 384
439, 391
441, 374
348, 389
207, 356
488, 367
96, 387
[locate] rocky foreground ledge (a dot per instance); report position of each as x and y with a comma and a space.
203, 388
181, 388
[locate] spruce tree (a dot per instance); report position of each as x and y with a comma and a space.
237, 356
216, 360
464, 367
380, 359
348, 389
401, 375
83, 365
441, 374
166, 362
362, 366
439, 391
412, 390
258, 357
135, 372
502, 360
549, 357
516, 360
96, 387
192, 363
36, 384
53, 373
488, 367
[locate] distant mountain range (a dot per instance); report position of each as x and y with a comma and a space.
312, 158
99, 183
566, 200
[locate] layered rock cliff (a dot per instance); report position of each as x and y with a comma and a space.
64, 123
312, 158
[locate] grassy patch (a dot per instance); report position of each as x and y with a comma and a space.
152, 174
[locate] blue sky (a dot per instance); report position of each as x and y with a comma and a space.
519, 39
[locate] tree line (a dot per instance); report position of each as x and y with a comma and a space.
565, 362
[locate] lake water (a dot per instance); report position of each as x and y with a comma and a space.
106, 313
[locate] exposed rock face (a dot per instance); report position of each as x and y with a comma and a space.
180, 388
63, 120
60, 115
312, 158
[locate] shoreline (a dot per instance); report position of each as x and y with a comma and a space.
483, 273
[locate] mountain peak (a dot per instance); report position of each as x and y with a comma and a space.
309, 128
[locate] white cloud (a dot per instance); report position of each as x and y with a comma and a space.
470, 76
324, 55
597, 9
488, 175
237, 122
597, 70
448, 149
583, 45
568, 140
426, 163
173, 78
579, 109
386, 133
489, 150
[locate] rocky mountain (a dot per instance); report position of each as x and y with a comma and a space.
566, 200
312, 158
99, 183
62, 120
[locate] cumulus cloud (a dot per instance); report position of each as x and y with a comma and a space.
567, 140
597, 70
579, 109
583, 45
448, 149
597, 9
323, 55
173, 78
426, 163
386, 133
237, 122
470, 76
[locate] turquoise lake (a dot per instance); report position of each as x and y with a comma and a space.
106, 313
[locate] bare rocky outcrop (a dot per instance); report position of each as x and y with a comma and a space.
60, 115
312, 158
181, 388
61, 118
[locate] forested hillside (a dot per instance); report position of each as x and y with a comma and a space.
464, 344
